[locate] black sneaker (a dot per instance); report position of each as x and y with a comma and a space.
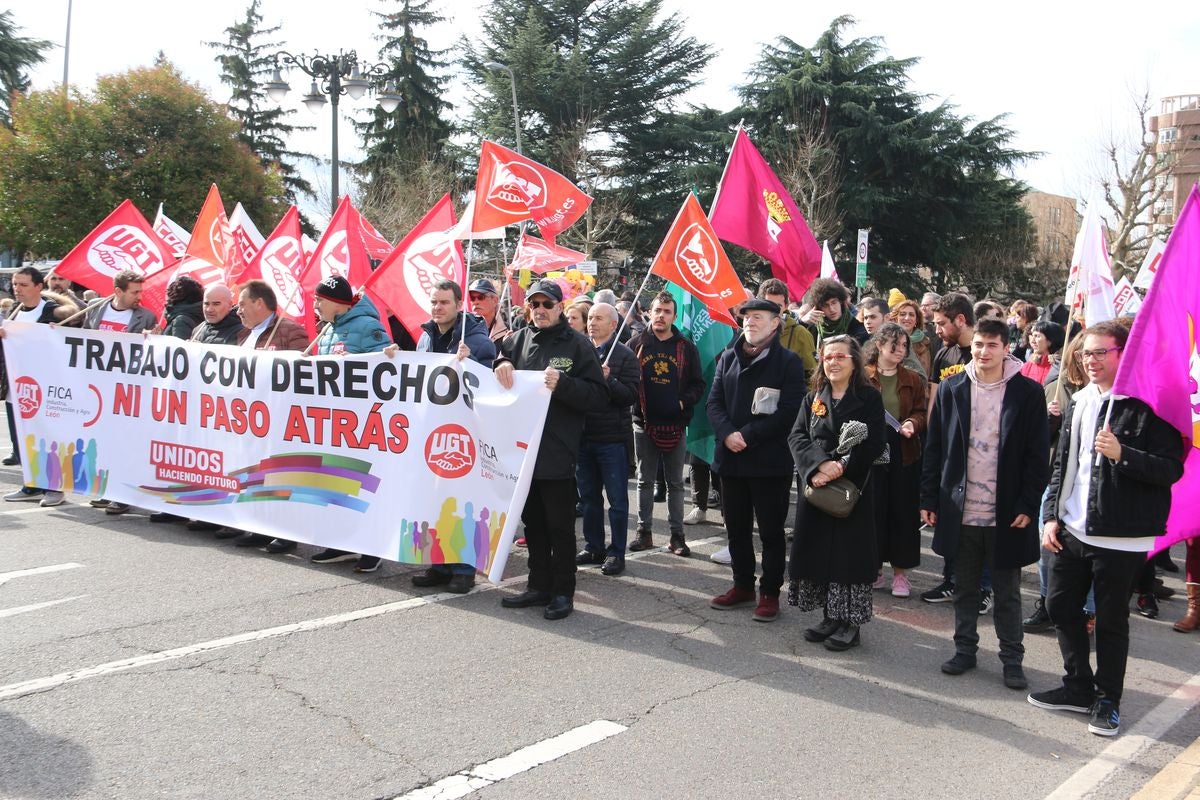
986, 601
1061, 699
942, 593
585, 557
460, 584
1039, 620
1105, 718
116, 508
367, 564
1014, 677
613, 565
15, 460
278, 546
958, 664
1147, 606
331, 556
248, 539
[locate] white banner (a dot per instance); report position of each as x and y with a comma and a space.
1150, 263
1126, 300
420, 459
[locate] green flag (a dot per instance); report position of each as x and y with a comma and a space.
710, 339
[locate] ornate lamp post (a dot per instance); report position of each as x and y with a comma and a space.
333, 76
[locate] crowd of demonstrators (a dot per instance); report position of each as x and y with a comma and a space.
991, 426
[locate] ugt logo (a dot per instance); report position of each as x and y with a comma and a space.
123, 247
450, 451
696, 257
28, 396
517, 189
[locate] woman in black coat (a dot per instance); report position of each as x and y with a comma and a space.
833, 561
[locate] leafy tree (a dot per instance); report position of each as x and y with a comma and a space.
245, 58
930, 184
417, 131
598, 84
17, 54
146, 135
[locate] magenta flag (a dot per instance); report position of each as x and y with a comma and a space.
752, 209
1161, 365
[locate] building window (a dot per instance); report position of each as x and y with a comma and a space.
1167, 135
1054, 214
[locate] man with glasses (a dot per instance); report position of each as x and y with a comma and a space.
1109, 498
485, 302
572, 374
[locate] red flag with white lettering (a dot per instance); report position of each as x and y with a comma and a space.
124, 240
171, 233
340, 252
245, 241
378, 247
279, 262
692, 258
427, 255
537, 255
511, 188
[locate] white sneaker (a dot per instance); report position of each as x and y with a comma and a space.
695, 516
722, 556
51, 499
24, 497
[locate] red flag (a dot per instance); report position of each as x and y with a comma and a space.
377, 246
691, 258
340, 252
279, 263
541, 256
511, 188
754, 210
245, 241
124, 240
206, 255
428, 254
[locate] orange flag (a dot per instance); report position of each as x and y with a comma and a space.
511, 188
208, 250
691, 257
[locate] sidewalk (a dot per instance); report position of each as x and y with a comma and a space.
1179, 780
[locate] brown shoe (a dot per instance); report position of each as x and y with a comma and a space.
644, 541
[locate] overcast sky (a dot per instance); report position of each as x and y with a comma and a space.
1063, 72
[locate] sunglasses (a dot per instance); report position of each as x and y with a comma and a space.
475, 296
547, 304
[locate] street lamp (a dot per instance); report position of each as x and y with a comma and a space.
496, 66
333, 76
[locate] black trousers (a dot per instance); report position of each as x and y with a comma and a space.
1074, 570
12, 429
549, 517
766, 499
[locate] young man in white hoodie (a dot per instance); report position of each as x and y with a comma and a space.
986, 463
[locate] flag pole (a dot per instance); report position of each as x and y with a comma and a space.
627, 317
725, 171
320, 333
84, 310
466, 283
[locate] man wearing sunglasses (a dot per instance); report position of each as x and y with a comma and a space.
1100, 518
485, 302
571, 371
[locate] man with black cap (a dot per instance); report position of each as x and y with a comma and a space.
485, 301
758, 389
573, 376
352, 327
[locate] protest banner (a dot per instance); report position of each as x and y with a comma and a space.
420, 458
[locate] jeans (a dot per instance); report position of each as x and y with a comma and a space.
985, 579
1073, 570
1044, 582
766, 499
976, 550
603, 469
648, 459
454, 569
703, 479
549, 517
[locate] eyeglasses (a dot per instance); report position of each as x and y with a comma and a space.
476, 296
830, 358
1098, 355
547, 304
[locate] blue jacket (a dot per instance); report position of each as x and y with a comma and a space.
483, 349
357, 331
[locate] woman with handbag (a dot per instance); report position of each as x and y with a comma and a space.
897, 484
833, 560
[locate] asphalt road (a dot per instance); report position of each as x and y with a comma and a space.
146, 661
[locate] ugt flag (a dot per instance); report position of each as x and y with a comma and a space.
692, 258
537, 255
124, 240
710, 338
1161, 363
754, 210
279, 262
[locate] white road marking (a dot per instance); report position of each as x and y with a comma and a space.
1128, 747
5, 577
12, 612
522, 760
34, 510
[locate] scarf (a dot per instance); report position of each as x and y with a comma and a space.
836, 329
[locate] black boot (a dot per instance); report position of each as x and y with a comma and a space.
1039, 620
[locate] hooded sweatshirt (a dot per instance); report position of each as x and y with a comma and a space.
983, 444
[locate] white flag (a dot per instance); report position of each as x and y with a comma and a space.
827, 268
171, 232
463, 229
1127, 301
1150, 264
1090, 289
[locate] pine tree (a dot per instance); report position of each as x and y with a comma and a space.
417, 131
17, 54
244, 59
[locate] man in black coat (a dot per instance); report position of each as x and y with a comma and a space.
603, 461
986, 464
221, 323
757, 391
1109, 498
576, 382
